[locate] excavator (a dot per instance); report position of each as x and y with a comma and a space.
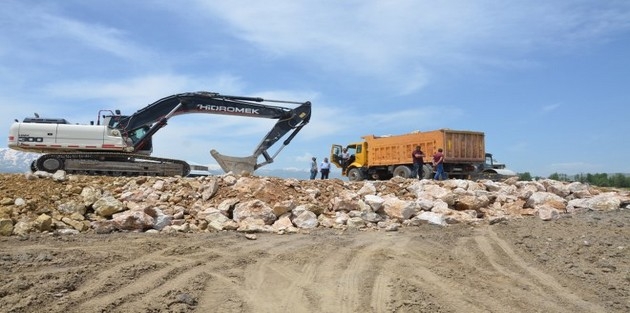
121, 145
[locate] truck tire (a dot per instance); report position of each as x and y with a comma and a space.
427, 171
402, 171
354, 174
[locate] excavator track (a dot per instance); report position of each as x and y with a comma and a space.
111, 164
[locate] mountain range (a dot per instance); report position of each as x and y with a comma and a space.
12, 161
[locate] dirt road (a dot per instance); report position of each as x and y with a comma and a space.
575, 264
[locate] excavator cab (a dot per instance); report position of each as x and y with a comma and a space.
144, 147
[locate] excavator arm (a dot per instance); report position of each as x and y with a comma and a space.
155, 116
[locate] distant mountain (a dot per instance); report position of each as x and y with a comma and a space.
294, 173
12, 161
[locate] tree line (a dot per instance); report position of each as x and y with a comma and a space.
599, 179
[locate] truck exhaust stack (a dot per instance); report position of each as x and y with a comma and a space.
236, 165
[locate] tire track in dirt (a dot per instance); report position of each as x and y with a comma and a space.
144, 276
273, 279
349, 279
425, 286
506, 262
454, 269
356, 269
285, 286
155, 270
280, 283
167, 271
312, 274
381, 293
222, 293
486, 263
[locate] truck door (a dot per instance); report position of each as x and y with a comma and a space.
335, 155
357, 154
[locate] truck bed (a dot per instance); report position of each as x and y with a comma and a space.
459, 146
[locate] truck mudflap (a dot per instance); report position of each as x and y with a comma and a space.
236, 165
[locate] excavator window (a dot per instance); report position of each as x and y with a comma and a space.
138, 133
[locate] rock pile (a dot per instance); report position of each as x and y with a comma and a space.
60, 203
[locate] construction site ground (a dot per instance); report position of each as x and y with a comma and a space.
578, 263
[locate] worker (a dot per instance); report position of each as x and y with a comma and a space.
345, 159
417, 155
325, 168
438, 164
313, 167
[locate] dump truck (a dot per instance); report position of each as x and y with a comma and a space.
383, 157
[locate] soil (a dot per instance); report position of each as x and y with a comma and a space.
578, 263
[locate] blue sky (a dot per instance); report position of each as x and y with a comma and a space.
547, 81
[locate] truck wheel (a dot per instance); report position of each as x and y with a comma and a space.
402, 171
354, 174
427, 171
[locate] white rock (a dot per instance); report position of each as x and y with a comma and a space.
432, 218
375, 202
355, 222
546, 198
603, 202
133, 221
255, 209
59, 175
399, 209
367, 189
306, 219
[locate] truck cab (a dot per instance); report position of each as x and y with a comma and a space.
492, 163
358, 158
494, 170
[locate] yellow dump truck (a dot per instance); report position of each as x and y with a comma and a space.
382, 157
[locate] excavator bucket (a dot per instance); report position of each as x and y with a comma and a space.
236, 165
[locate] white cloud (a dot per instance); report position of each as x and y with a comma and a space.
551, 107
107, 39
45, 29
134, 93
405, 39
305, 158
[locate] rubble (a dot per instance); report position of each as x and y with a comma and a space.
68, 204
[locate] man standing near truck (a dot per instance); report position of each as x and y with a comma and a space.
418, 162
344, 159
438, 164
313, 167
